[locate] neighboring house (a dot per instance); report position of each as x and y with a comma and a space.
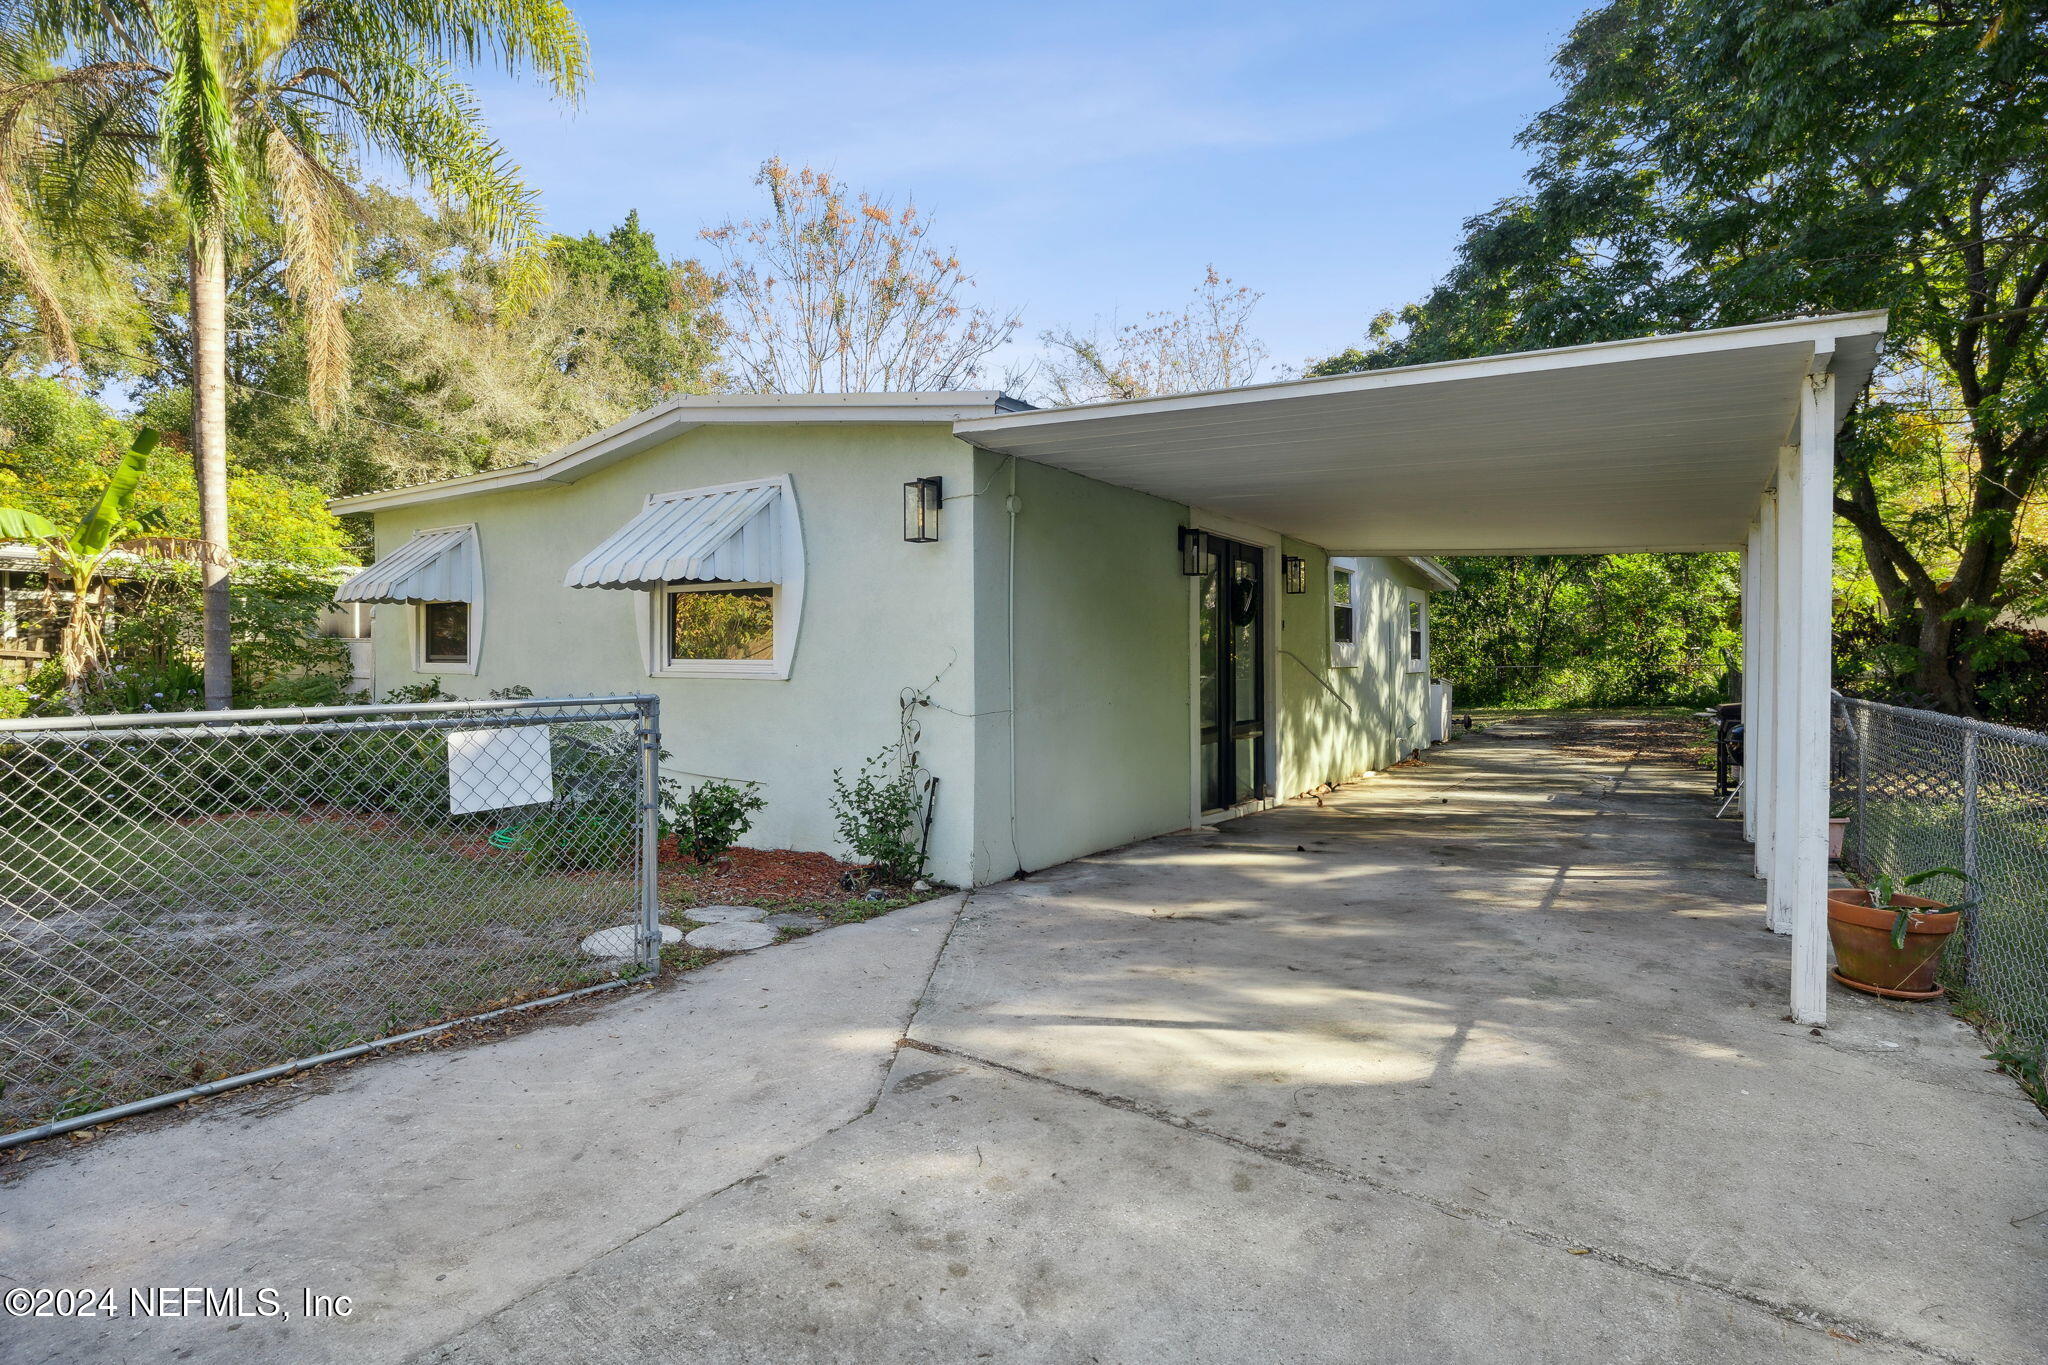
799, 577
31, 615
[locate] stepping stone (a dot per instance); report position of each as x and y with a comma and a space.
789, 921
622, 940
725, 914
731, 938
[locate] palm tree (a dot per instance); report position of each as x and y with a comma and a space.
248, 115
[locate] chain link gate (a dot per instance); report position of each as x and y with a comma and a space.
197, 900
1924, 790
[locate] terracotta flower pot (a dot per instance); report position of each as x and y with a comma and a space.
1836, 829
1864, 957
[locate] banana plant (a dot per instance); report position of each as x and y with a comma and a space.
80, 555
1886, 886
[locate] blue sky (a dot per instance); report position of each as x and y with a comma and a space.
1086, 160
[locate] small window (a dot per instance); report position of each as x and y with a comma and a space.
444, 632
1343, 609
1418, 635
721, 623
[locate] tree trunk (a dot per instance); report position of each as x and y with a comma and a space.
210, 454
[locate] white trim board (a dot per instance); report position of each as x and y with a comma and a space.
644, 430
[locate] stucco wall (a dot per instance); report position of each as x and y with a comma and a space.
1101, 632
1102, 620
1336, 723
879, 615
1103, 693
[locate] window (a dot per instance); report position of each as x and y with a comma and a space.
1418, 633
710, 623
1344, 608
444, 632
1343, 612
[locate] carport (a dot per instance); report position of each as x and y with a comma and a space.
1705, 441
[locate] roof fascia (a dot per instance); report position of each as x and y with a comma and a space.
1822, 333
622, 440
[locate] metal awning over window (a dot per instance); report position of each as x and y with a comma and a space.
727, 535
434, 566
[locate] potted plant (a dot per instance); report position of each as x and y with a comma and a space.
1888, 943
1838, 826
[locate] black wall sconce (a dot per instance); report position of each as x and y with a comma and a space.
921, 499
1294, 573
1191, 548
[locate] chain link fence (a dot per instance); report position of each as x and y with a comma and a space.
196, 900
1924, 790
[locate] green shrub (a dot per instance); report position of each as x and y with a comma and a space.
877, 815
712, 818
15, 701
414, 694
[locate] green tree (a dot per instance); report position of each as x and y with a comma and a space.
456, 365
247, 114
58, 448
1587, 630
1715, 162
80, 554
670, 332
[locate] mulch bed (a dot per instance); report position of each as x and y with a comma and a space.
756, 876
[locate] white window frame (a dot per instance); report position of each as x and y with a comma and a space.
416, 613
662, 639
1414, 600
1346, 653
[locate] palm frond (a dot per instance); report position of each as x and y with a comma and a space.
541, 36
197, 148
26, 256
431, 124
316, 250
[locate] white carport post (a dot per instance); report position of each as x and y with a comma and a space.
1759, 771
1785, 660
1806, 721
1748, 697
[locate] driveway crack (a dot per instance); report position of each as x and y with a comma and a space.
1792, 1311
437, 1349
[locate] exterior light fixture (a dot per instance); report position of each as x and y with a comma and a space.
1294, 572
921, 499
1191, 548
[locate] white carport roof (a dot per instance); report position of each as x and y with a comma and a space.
1662, 443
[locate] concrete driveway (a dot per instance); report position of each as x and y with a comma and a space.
1483, 1059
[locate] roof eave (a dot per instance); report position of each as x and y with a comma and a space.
650, 427
1823, 332
1440, 578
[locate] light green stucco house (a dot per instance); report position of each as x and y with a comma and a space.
798, 577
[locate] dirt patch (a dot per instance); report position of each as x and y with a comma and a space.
1610, 738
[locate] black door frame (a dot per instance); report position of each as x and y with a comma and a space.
1220, 552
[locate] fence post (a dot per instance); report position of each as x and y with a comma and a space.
650, 834
1970, 855
1859, 731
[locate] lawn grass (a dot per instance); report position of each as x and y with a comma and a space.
146, 956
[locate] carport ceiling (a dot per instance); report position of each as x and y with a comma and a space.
1663, 443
